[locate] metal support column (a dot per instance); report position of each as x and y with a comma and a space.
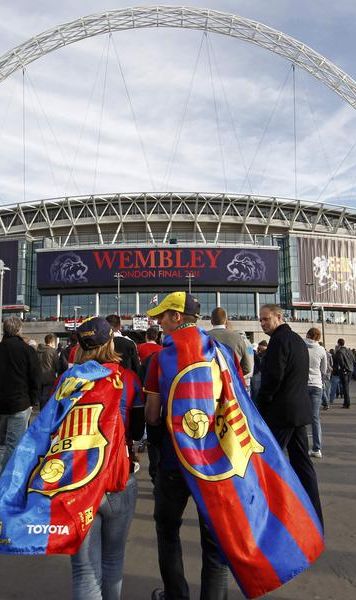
58, 306
257, 304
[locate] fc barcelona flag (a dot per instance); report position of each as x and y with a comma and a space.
70, 455
253, 502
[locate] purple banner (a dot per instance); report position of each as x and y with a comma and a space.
9, 254
248, 267
327, 271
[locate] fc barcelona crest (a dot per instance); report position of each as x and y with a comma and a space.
210, 432
76, 454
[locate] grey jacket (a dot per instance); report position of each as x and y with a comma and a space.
239, 344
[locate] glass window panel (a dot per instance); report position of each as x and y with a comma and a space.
84, 302
108, 304
268, 299
146, 300
238, 305
48, 307
207, 303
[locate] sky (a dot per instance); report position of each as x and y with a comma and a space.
176, 110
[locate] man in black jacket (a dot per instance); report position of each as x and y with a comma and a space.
283, 399
344, 366
124, 346
19, 378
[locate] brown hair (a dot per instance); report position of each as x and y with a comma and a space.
314, 334
152, 334
218, 316
114, 321
185, 318
102, 354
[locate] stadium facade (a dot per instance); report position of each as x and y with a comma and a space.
104, 252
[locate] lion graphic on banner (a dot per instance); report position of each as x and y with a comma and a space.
327, 275
321, 269
68, 268
246, 266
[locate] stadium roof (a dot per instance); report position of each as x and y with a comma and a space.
161, 217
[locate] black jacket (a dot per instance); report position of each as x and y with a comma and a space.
127, 349
283, 399
19, 375
343, 360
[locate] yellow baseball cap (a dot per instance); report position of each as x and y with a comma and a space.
179, 301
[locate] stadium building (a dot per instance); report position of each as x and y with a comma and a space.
77, 256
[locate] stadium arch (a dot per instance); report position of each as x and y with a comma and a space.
182, 17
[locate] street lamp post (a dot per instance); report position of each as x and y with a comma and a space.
310, 286
76, 308
118, 276
322, 324
190, 276
2, 273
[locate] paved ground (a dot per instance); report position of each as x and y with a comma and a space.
333, 577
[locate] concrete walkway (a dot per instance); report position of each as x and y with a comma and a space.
333, 577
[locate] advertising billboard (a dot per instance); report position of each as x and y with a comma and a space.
327, 271
9, 254
142, 267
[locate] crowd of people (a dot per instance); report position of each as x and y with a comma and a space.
289, 380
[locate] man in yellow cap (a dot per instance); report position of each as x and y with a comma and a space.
184, 345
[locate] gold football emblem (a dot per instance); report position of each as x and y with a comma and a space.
196, 423
52, 470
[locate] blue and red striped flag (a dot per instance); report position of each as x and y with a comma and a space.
249, 495
70, 455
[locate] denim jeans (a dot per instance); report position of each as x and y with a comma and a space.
335, 380
97, 569
325, 399
12, 428
171, 497
315, 395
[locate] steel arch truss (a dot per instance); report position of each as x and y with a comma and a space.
187, 18
158, 217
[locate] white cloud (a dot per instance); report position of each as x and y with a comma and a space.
64, 107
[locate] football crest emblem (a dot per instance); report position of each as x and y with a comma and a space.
76, 453
212, 437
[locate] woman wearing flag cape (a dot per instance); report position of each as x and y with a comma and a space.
69, 487
254, 513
